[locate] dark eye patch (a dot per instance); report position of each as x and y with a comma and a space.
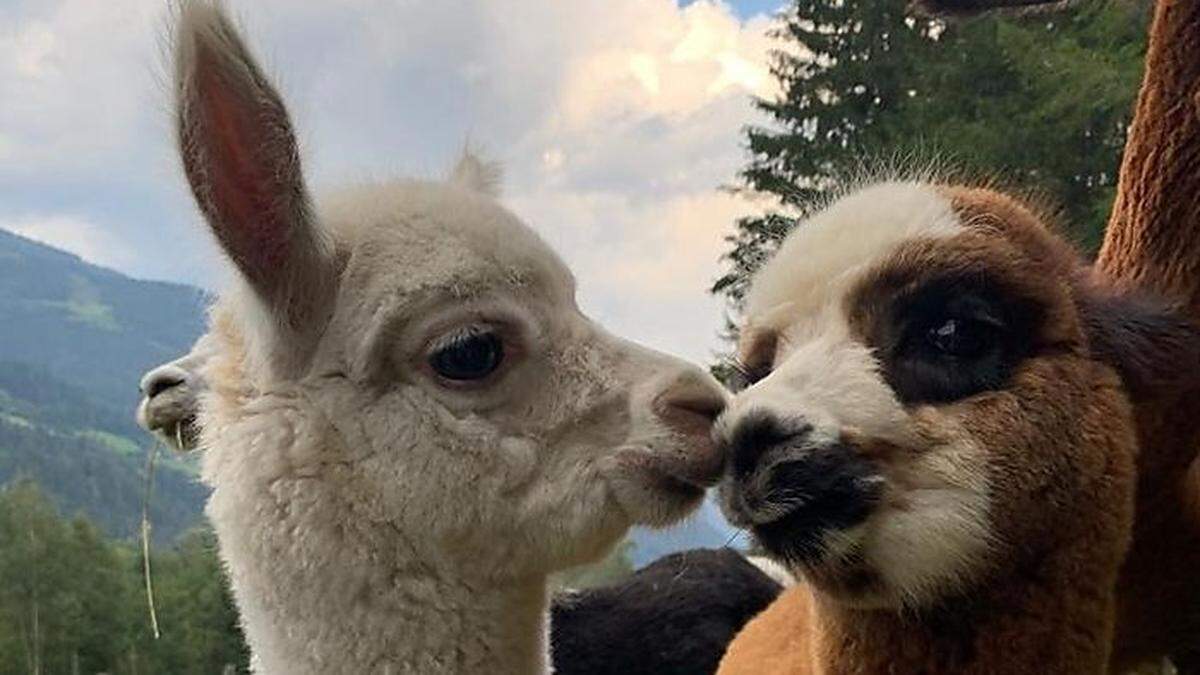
949, 339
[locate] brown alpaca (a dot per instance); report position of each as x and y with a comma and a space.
939, 439
1153, 243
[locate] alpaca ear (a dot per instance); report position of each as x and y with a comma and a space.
241, 160
475, 174
1152, 345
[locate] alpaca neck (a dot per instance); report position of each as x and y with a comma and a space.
1045, 620
1150, 241
322, 593
406, 623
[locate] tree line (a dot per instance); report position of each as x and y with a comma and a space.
73, 601
1038, 103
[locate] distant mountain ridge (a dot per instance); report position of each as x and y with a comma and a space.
74, 340
89, 326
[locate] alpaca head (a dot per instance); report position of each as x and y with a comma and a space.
937, 396
409, 356
171, 397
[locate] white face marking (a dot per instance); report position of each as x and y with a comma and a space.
824, 376
799, 295
826, 253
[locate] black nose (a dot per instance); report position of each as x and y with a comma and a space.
791, 488
755, 434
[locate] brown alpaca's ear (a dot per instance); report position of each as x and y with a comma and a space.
1152, 345
241, 160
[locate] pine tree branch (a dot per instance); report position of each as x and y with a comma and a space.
976, 6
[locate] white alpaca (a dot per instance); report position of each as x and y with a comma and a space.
409, 424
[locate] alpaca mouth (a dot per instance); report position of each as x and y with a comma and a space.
185, 434
182, 434
650, 489
671, 484
696, 469
802, 533
799, 521
171, 419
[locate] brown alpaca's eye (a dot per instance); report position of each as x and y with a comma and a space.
961, 338
467, 356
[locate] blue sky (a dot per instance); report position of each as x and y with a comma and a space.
749, 8
617, 121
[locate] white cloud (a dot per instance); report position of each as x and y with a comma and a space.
77, 86
617, 121
84, 238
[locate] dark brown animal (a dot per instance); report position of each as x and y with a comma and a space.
675, 616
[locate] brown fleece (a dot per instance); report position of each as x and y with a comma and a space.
1060, 458
1153, 242
1049, 612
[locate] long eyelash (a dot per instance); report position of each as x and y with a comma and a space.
739, 367
459, 337
745, 375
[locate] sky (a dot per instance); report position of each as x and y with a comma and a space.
616, 121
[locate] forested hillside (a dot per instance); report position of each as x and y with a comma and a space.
74, 339
91, 327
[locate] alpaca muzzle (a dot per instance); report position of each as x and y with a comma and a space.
792, 488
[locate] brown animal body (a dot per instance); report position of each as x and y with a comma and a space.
938, 437
1153, 242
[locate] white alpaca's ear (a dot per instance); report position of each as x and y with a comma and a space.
243, 165
475, 174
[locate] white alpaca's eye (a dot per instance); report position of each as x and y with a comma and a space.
470, 355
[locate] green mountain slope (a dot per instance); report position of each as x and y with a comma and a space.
90, 327
74, 340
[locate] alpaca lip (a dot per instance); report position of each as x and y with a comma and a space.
677, 470
181, 434
700, 466
171, 415
795, 525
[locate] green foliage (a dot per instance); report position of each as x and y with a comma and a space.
1039, 103
73, 601
84, 475
89, 456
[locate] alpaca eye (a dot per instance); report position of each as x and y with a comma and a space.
960, 338
471, 355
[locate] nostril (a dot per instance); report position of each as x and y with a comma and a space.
690, 404
691, 416
157, 383
758, 432
707, 408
